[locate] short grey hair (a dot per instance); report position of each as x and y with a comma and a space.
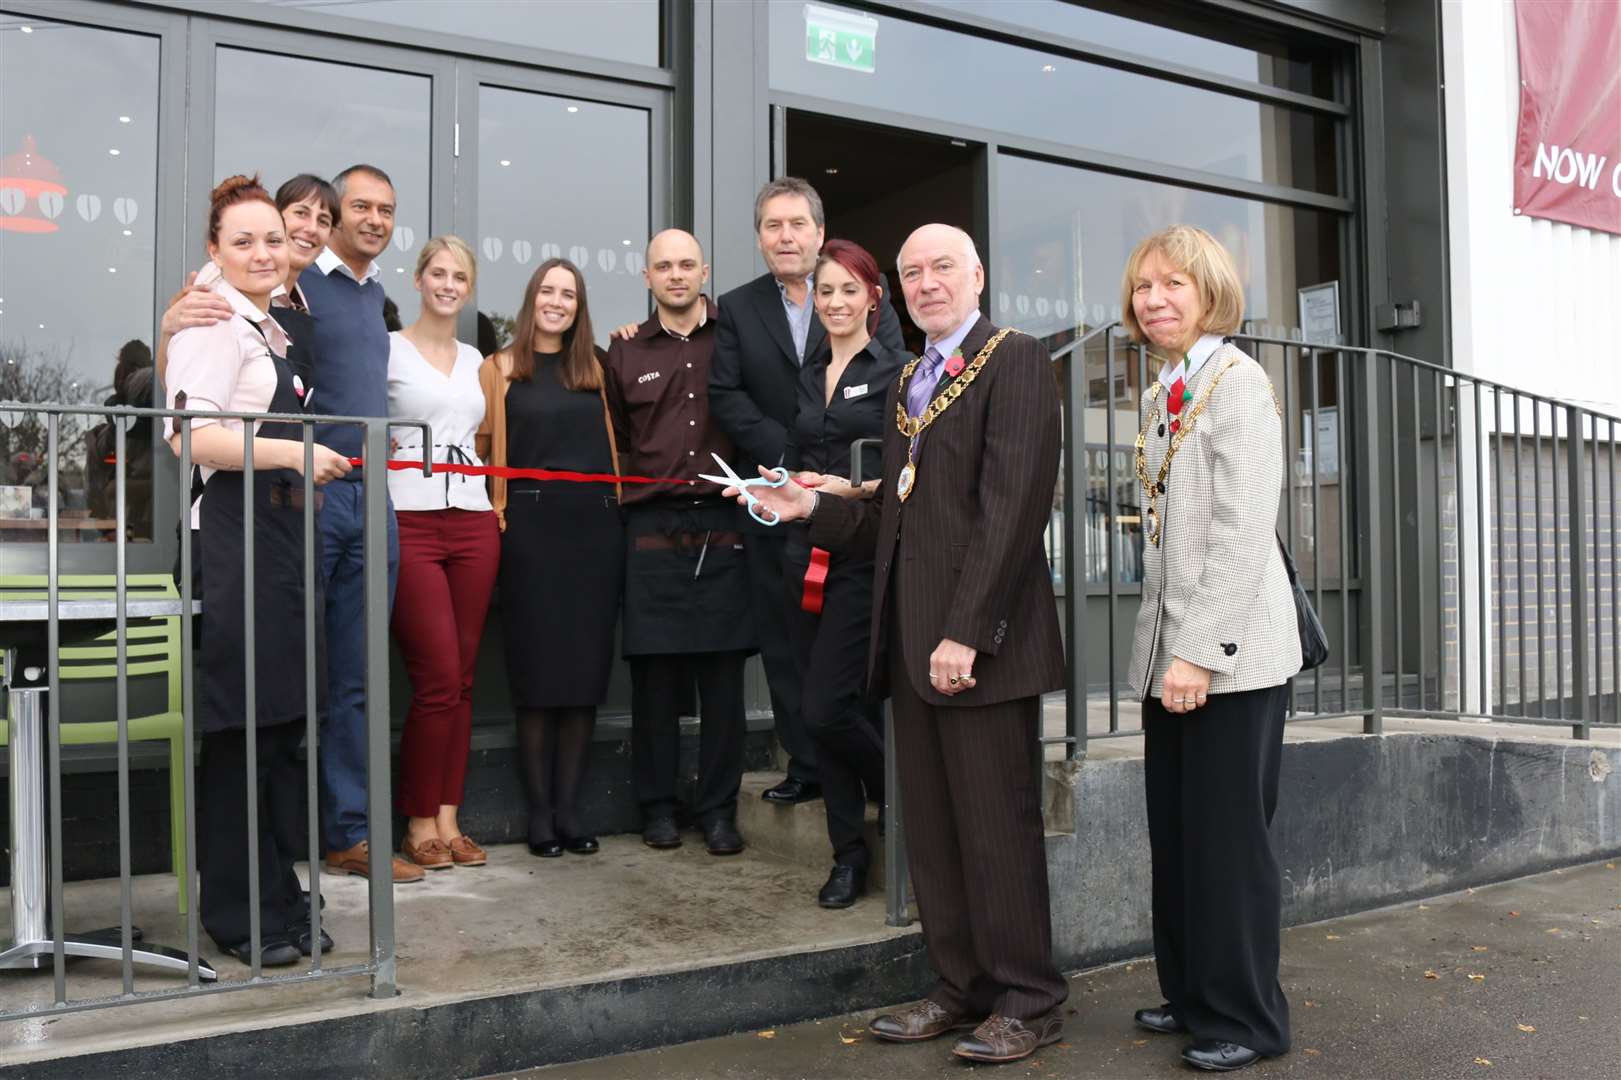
789, 185
340, 183
968, 247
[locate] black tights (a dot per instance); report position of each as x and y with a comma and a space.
553, 747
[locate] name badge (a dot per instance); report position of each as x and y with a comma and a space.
854, 391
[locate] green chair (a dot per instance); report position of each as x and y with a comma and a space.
152, 649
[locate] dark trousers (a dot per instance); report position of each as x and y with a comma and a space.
658, 687
1212, 783
766, 559
971, 797
224, 903
448, 561
831, 651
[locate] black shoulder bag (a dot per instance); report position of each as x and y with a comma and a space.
1313, 641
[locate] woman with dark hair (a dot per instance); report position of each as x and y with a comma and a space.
842, 390
238, 365
562, 543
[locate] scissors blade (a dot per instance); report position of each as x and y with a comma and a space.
723, 481
727, 469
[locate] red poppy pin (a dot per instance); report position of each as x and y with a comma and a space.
955, 363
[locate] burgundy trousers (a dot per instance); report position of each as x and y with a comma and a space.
448, 562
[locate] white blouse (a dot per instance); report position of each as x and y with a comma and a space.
454, 405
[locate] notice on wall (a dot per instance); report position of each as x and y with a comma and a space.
1320, 313
839, 38
1567, 158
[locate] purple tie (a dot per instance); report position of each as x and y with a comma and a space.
924, 380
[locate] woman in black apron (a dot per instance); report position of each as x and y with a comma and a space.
230, 367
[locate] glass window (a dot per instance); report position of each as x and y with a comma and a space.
78, 180
561, 177
280, 116
965, 80
1240, 52
1062, 238
626, 30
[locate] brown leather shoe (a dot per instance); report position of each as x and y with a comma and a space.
466, 853
1002, 1038
432, 854
927, 1019
357, 861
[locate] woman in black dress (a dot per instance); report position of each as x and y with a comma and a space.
562, 544
842, 390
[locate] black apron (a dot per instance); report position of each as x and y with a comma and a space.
686, 581
278, 587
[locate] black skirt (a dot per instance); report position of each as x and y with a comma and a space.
562, 569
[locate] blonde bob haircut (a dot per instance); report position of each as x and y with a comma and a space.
458, 250
1200, 256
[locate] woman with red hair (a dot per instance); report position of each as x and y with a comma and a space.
842, 390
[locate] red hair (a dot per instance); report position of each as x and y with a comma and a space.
859, 264
233, 190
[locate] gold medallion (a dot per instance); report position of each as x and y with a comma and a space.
903, 483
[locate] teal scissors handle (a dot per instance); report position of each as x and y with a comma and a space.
778, 479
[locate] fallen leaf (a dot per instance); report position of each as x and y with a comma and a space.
1431, 975
1581, 1018
1525, 1027
1477, 978
1478, 948
1312, 1053
1310, 1004
1423, 907
1514, 914
765, 1034
1551, 930
1063, 1046
1332, 937
1597, 923
1471, 892
1139, 1042
849, 1040
1483, 1061
1609, 866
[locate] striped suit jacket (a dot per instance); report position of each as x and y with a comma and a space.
963, 557
1215, 592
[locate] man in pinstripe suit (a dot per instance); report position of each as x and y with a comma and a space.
965, 639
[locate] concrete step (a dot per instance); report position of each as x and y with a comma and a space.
799, 833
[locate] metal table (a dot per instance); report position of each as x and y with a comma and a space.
23, 631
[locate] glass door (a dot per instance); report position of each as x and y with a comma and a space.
558, 167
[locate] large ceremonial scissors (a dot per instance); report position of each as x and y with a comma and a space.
731, 479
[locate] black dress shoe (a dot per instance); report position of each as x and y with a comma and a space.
581, 845
722, 838
1213, 1055
792, 790
273, 952
661, 833
844, 886
302, 938
546, 849
1161, 1020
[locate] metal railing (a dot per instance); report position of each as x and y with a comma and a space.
1407, 492
61, 609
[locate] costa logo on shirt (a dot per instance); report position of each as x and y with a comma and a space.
649, 377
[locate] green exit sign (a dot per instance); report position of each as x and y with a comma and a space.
846, 39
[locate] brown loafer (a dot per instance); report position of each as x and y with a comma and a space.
927, 1019
432, 854
357, 861
1002, 1038
465, 852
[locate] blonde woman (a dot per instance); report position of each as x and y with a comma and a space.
450, 548
1215, 646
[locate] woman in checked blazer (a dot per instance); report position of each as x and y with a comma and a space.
1216, 643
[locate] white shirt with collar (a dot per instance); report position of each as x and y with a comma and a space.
328, 261
1187, 367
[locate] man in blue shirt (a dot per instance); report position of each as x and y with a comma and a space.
345, 294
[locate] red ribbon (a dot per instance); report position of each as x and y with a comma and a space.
509, 473
815, 581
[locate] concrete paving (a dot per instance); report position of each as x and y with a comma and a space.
519, 924
1520, 980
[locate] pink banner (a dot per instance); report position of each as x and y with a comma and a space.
1567, 159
